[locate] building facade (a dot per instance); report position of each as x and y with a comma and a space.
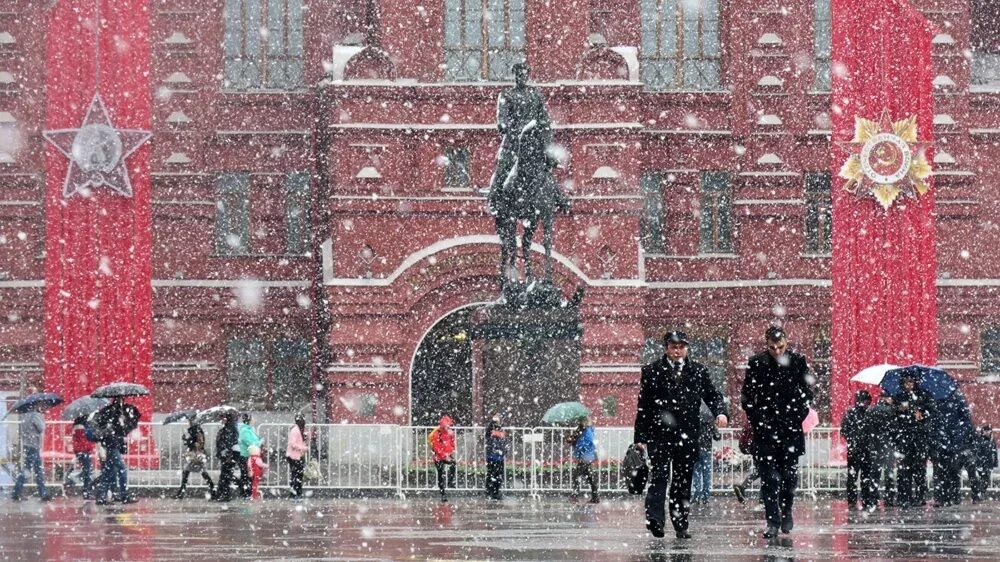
319, 224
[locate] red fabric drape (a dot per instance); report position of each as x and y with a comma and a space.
884, 264
98, 294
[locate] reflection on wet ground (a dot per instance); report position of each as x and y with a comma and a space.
471, 528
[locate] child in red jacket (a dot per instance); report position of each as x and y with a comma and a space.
442, 442
256, 467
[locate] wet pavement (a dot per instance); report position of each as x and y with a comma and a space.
471, 528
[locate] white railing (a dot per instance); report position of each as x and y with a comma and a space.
398, 459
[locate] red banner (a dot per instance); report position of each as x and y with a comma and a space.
98, 295
884, 265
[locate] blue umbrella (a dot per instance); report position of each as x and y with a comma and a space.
46, 399
83, 406
935, 382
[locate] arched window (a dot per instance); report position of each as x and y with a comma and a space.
263, 45
482, 39
680, 47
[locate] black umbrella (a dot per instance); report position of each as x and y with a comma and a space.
214, 414
119, 390
180, 415
83, 406
46, 399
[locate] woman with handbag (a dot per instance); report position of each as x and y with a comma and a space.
195, 459
297, 446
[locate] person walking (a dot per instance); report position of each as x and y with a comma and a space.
858, 430
442, 442
668, 425
227, 450
195, 459
885, 435
114, 422
247, 438
31, 431
83, 449
584, 456
496, 452
982, 461
913, 410
776, 395
255, 469
702, 483
297, 447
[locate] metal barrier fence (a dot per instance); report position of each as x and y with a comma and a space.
398, 458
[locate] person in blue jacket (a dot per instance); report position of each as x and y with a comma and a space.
584, 456
496, 452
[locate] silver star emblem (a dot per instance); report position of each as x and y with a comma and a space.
96, 152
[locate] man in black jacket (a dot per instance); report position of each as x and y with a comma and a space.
858, 428
114, 422
776, 397
668, 425
982, 459
914, 409
227, 451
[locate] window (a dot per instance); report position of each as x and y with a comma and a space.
482, 39
716, 201
819, 213
297, 213
456, 172
822, 36
680, 45
651, 224
366, 405
609, 406
985, 42
990, 350
268, 374
263, 44
232, 215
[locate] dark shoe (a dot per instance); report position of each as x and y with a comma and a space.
16, 498
770, 532
787, 524
655, 528
102, 502
46, 497
740, 493
444, 499
129, 499
88, 496
595, 499
179, 495
682, 535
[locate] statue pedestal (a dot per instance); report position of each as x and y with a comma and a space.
524, 361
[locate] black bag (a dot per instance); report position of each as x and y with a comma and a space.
635, 469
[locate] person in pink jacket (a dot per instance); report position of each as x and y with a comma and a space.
297, 446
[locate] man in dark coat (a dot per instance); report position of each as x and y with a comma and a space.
982, 459
883, 421
776, 397
668, 426
859, 430
228, 453
114, 422
913, 410
496, 452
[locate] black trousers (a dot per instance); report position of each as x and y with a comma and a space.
861, 467
947, 480
583, 470
979, 481
296, 471
673, 464
244, 477
911, 477
224, 492
444, 470
779, 477
494, 478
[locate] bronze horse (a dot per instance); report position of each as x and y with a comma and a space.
529, 195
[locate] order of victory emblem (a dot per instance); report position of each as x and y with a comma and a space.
886, 160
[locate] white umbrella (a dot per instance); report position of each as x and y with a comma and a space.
873, 374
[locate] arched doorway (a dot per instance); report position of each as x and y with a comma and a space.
441, 372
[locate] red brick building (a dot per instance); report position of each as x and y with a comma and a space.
318, 169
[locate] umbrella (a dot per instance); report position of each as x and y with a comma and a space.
564, 412
120, 389
935, 382
83, 406
180, 415
873, 374
46, 399
214, 414
811, 421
